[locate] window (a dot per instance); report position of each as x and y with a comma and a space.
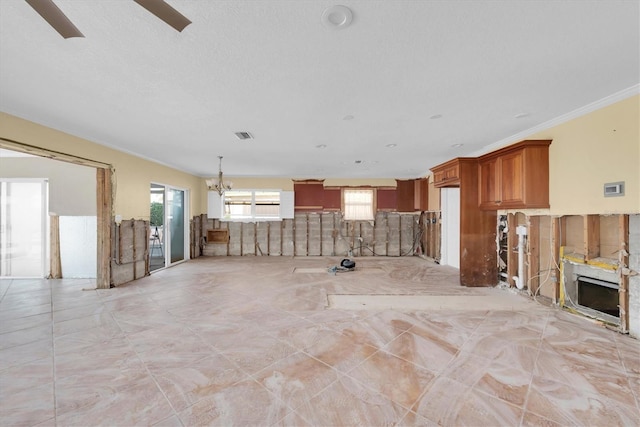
251, 204
358, 204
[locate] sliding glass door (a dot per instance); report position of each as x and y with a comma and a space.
169, 225
23, 227
176, 220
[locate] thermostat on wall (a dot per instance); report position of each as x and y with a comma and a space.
614, 189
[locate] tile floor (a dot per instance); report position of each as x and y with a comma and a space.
250, 341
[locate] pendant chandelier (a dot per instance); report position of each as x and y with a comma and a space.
218, 184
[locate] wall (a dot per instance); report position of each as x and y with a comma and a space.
72, 188
132, 175
586, 152
319, 234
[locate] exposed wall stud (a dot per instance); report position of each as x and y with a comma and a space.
623, 257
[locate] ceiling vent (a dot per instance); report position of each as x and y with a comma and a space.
243, 135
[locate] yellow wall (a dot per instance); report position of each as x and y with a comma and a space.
284, 184
133, 175
589, 151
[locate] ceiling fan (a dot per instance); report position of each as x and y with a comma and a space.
63, 25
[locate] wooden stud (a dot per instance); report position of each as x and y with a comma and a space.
557, 241
438, 237
306, 221
133, 243
333, 234
623, 286
591, 236
268, 238
104, 221
533, 254
147, 259
512, 255
118, 231
55, 262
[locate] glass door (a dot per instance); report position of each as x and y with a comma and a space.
23, 228
156, 222
175, 199
168, 222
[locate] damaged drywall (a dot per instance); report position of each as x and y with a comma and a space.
319, 234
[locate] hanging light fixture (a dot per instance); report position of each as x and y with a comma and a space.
219, 184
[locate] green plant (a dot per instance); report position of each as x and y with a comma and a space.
157, 214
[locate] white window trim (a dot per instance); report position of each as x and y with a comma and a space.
372, 206
216, 206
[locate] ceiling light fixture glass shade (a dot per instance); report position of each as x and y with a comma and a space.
218, 184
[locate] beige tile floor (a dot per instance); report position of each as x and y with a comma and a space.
251, 341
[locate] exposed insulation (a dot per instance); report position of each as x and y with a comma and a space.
380, 234
130, 251
314, 232
318, 234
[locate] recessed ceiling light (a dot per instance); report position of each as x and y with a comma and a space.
521, 115
337, 17
391, 145
348, 117
435, 116
457, 145
321, 146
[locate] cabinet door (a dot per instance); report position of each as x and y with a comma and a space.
511, 186
489, 184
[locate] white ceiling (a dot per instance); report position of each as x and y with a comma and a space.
273, 69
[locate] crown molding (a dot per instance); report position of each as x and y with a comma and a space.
589, 108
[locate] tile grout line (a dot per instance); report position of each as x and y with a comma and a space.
627, 376
6, 290
535, 363
53, 360
153, 378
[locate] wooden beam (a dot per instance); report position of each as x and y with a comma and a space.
557, 240
591, 236
104, 220
55, 263
623, 286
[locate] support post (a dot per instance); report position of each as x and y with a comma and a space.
104, 211
55, 263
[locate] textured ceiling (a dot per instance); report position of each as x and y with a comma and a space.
273, 69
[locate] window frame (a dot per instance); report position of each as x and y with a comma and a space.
374, 202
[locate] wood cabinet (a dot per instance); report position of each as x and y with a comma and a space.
447, 174
478, 255
406, 195
515, 177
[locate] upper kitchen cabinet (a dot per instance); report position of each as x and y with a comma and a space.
515, 177
448, 174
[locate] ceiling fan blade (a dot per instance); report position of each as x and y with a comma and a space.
165, 12
55, 17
